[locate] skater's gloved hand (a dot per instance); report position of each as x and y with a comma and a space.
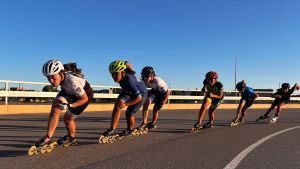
122, 104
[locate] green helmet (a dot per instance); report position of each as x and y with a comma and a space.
117, 66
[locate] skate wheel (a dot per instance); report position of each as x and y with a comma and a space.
135, 132
31, 150
54, 145
100, 139
66, 145
37, 151
110, 140
44, 149
49, 148
194, 130
103, 139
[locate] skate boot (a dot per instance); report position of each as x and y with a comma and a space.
108, 136
151, 126
240, 122
208, 125
234, 122
127, 133
262, 117
196, 127
67, 141
142, 129
42, 146
273, 120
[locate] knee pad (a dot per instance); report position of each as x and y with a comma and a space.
61, 103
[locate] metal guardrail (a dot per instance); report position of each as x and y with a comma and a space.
7, 94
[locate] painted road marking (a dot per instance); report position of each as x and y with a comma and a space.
237, 160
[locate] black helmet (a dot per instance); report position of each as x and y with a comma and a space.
147, 71
285, 85
240, 86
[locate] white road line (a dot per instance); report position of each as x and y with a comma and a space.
236, 161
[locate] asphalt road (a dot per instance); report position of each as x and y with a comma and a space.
171, 145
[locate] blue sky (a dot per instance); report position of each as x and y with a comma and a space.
182, 40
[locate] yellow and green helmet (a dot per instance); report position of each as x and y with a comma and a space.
117, 66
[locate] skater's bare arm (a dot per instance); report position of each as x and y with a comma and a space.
217, 96
166, 96
255, 95
133, 101
82, 100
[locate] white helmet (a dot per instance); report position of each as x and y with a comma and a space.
52, 67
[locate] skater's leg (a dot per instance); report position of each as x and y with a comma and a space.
146, 111
155, 114
54, 117
239, 109
205, 105
279, 107
278, 110
248, 103
70, 124
130, 120
211, 113
115, 115
243, 113
270, 109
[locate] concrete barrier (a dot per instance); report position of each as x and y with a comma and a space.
22, 109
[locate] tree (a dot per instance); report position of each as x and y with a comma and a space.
49, 88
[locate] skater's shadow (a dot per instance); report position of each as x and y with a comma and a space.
12, 153
18, 145
228, 123
96, 119
41, 119
173, 130
17, 128
174, 121
82, 141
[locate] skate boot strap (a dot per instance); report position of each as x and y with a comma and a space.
197, 125
109, 132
